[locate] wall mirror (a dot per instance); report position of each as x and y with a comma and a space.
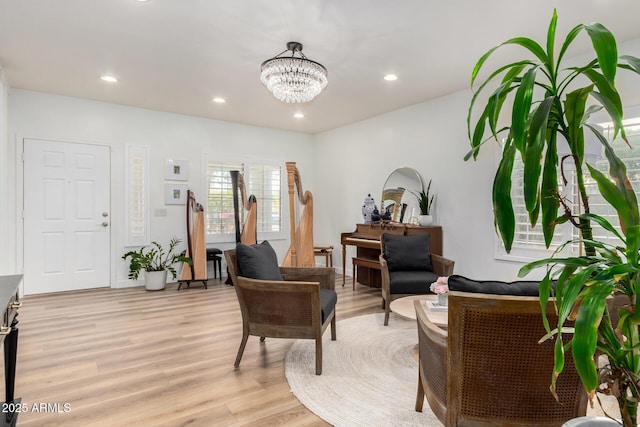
399, 195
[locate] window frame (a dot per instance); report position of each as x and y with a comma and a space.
246, 164
144, 239
522, 253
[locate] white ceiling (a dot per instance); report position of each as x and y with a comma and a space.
176, 55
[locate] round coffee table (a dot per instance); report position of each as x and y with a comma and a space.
403, 307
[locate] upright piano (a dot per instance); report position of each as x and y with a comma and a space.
366, 239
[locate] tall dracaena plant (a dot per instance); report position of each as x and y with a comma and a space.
535, 124
583, 283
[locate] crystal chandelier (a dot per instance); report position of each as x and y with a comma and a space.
293, 78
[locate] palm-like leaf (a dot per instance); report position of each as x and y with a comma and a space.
582, 283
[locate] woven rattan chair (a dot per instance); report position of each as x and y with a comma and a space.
497, 374
397, 282
284, 309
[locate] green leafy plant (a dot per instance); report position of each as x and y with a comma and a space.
546, 105
424, 201
154, 258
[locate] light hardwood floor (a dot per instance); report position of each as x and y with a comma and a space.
132, 357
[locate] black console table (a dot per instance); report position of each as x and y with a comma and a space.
10, 303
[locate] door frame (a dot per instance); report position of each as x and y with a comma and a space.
19, 188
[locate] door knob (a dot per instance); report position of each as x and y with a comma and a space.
105, 214
105, 224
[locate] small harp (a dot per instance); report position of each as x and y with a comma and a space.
196, 244
300, 253
245, 212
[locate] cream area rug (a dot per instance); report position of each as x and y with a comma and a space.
369, 375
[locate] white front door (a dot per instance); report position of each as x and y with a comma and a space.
67, 220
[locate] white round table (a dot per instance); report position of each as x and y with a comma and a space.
403, 307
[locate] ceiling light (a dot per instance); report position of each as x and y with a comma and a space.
291, 78
298, 115
219, 100
109, 79
390, 77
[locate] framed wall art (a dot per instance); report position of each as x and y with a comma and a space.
175, 194
176, 170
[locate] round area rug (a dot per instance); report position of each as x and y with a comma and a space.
369, 374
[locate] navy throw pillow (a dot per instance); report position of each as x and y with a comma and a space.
258, 261
407, 253
518, 288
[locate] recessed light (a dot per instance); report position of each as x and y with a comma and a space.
142, 1
298, 115
219, 100
390, 77
109, 79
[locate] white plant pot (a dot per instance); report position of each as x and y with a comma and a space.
425, 220
590, 422
155, 280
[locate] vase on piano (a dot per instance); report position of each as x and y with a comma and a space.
425, 220
368, 208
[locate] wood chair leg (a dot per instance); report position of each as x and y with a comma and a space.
319, 355
387, 309
420, 395
243, 343
333, 328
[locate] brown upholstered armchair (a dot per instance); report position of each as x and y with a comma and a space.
301, 304
497, 373
408, 267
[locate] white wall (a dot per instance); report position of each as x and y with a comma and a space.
432, 138
5, 191
169, 136
341, 166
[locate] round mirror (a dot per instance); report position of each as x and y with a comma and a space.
399, 199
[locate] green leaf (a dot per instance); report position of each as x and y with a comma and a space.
586, 335
634, 63
633, 244
624, 198
521, 108
534, 147
609, 98
502, 204
568, 40
604, 43
514, 70
574, 108
602, 222
548, 190
551, 40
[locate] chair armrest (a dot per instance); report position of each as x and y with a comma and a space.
441, 265
326, 276
384, 272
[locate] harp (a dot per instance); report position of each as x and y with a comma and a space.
300, 253
196, 244
245, 212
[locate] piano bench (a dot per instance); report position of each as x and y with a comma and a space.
364, 262
326, 252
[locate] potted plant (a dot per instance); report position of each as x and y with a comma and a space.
424, 202
155, 262
545, 106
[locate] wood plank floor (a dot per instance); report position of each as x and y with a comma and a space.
121, 357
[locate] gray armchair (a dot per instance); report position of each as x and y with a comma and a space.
281, 302
408, 267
